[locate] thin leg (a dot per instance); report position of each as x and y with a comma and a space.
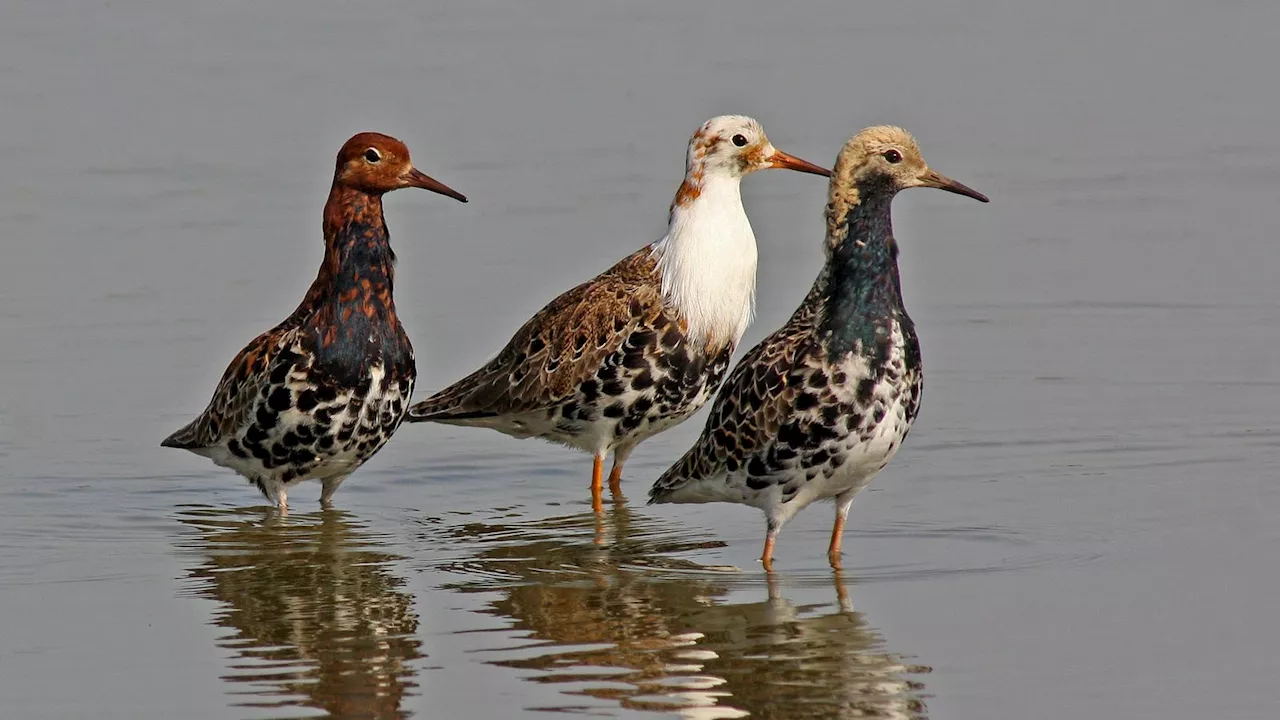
837, 530
329, 487
766, 558
615, 475
597, 483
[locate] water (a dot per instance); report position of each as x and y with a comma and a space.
1081, 524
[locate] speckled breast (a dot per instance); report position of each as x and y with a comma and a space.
654, 381
306, 426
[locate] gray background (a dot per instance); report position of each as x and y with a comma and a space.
1081, 524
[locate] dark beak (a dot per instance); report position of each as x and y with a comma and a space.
780, 159
942, 182
418, 179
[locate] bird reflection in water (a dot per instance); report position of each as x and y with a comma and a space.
316, 617
625, 622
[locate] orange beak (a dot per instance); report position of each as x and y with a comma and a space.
418, 179
780, 159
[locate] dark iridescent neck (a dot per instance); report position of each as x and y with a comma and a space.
863, 294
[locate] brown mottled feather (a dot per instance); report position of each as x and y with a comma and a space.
559, 348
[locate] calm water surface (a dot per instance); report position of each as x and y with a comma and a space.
1081, 525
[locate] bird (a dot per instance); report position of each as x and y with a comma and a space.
320, 393
820, 406
643, 345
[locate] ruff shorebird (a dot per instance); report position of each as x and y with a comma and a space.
643, 345
820, 406
320, 393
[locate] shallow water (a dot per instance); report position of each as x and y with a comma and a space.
1081, 524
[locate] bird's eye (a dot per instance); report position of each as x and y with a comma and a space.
739, 140
893, 156
372, 155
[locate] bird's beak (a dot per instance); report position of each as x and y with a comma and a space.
419, 179
932, 179
780, 159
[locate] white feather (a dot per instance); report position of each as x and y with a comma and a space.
708, 262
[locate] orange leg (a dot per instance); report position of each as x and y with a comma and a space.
615, 478
843, 503
597, 484
837, 534
766, 558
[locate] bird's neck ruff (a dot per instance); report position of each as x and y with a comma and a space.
351, 307
707, 261
860, 283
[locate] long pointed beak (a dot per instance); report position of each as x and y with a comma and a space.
780, 159
419, 179
935, 180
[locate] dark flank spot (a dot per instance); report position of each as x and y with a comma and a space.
819, 434
281, 399
325, 443
731, 464
660, 321
671, 337
371, 413
830, 414
345, 434
758, 483
536, 345
879, 414
302, 457
865, 390
635, 359
280, 453
629, 424
615, 410
590, 390
839, 377
290, 439
263, 455
265, 418
255, 435
852, 420
323, 417
568, 410
806, 401
614, 388
818, 379
643, 380
304, 434
307, 400
892, 445
234, 448
288, 476
819, 457
608, 372
791, 434
365, 385
786, 453
326, 393
756, 467
641, 406
280, 372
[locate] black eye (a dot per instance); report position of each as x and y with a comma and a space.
739, 140
893, 156
372, 155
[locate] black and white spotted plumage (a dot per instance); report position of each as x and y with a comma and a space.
319, 394
819, 407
